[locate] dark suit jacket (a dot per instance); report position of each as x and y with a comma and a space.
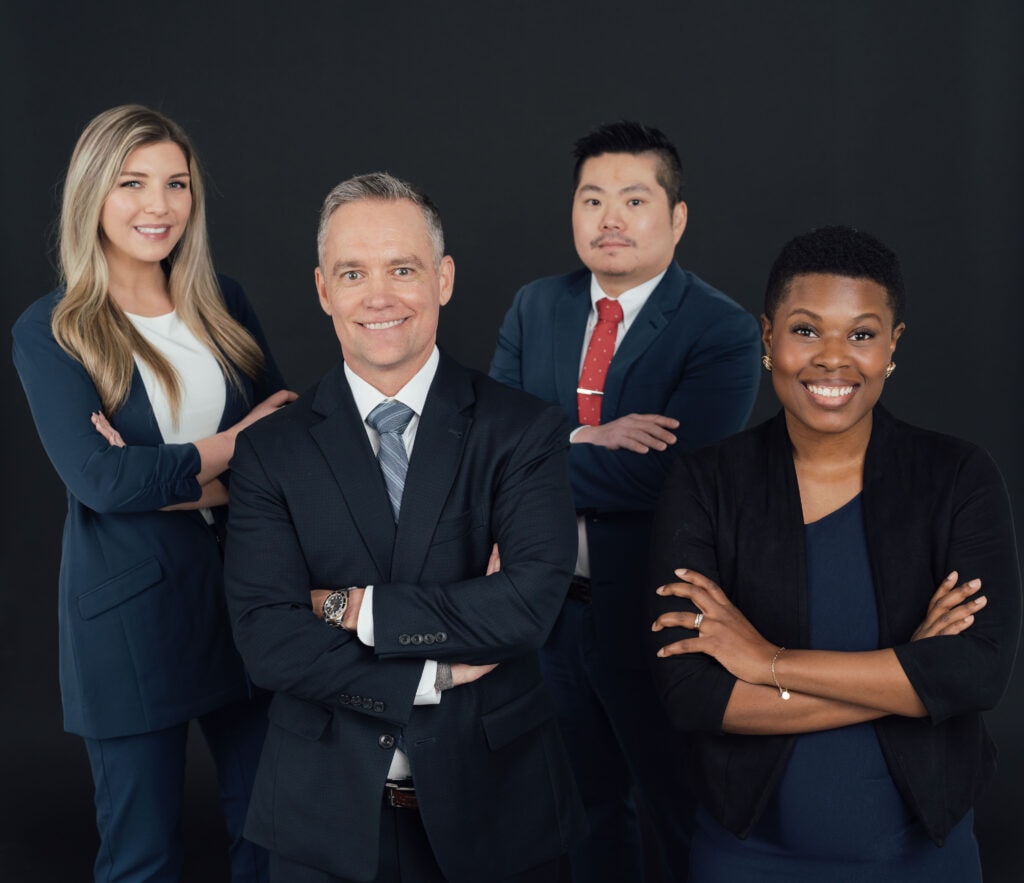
931, 504
691, 353
144, 636
310, 510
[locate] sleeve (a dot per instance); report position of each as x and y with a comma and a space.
499, 617
61, 396
694, 688
969, 672
506, 366
284, 646
712, 401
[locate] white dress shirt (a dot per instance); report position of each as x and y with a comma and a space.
413, 395
631, 301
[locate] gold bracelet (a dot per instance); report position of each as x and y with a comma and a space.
783, 692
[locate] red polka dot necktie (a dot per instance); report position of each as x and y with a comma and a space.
595, 364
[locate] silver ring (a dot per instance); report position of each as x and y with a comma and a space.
698, 621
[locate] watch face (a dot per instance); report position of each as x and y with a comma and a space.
334, 606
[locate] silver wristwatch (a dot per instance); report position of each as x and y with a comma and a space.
335, 605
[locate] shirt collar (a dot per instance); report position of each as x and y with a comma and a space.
413, 394
631, 301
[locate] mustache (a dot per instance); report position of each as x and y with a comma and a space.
611, 237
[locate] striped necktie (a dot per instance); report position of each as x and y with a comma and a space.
390, 420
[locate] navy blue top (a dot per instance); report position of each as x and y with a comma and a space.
837, 811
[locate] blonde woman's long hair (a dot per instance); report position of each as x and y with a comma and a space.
87, 322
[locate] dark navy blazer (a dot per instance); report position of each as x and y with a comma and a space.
310, 510
691, 353
144, 638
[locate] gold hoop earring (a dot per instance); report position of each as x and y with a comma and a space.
766, 360
889, 369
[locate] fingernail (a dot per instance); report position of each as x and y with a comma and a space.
661, 652
681, 572
952, 575
660, 590
980, 600
969, 618
975, 584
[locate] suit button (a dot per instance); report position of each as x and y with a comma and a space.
428, 638
386, 741
416, 639
368, 704
355, 700
403, 639
378, 706
441, 637
343, 698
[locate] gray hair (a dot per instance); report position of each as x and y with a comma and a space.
386, 188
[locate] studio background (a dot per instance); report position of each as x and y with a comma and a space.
903, 118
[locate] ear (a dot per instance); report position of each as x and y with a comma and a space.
679, 215
321, 290
446, 278
896, 334
766, 334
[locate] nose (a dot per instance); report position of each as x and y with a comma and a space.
611, 219
832, 353
156, 201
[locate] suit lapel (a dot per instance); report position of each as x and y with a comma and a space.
652, 319
346, 448
440, 441
571, 314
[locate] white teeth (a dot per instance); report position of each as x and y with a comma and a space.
830, 392
152, 231
380, 326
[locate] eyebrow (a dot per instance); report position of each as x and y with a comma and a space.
342, 265
629, 188
130, 174
815, 316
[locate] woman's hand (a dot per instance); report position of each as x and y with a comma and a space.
723, 632
103, 427
270, 404
951, 609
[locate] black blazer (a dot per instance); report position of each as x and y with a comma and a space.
309, 510
931, 504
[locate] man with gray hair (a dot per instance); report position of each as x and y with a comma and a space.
411, 737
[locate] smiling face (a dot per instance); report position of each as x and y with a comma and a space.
830, 341
146, 212
382, 290
623, 226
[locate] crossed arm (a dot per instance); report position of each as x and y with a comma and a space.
826, 689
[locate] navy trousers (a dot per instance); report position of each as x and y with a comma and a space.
139, 783
620, 744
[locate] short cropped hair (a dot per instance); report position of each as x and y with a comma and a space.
635, 138
837, 251
385, 188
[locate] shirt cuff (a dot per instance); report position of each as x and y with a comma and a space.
364, 623
425, 692
572, 434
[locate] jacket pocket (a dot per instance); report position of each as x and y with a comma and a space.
120, 588
517, 717
301, 718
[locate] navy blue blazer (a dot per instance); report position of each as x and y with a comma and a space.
144, 637
932, 504
691, 353
310, 510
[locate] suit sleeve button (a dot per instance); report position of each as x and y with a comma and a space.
386, 741
416, 639
368, 704
378, 706
403, 639
441, 637
343, 698
428, 638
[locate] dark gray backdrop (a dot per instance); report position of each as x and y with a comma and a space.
904, 118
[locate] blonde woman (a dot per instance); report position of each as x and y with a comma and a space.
140, 371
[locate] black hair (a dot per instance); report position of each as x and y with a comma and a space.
837, 251
635, 138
